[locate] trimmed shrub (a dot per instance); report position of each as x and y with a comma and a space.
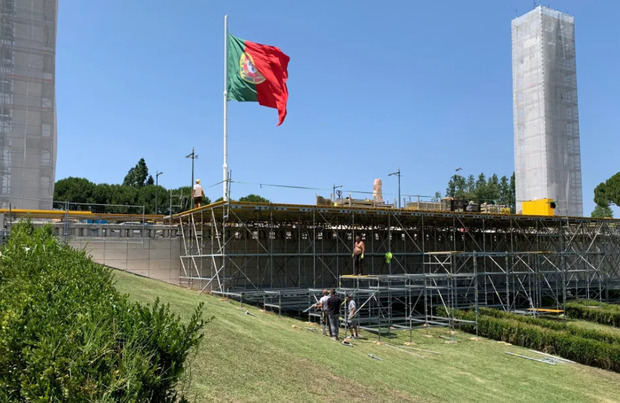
579, 349
66, 333
594, 334
595, 311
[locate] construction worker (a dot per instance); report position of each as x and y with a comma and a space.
358, 256
352, 316
333, 312
197, 193
322, 305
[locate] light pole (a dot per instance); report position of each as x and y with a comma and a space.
193, 156
397, 173
334, 187
157, 173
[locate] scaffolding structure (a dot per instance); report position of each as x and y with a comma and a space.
282, 256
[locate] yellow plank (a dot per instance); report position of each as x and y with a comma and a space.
60, 214
545, 310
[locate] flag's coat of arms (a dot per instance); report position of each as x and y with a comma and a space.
247, 70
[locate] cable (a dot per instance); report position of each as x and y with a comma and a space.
278, 185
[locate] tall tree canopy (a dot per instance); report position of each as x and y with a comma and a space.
76, 190
254, 198
482, 190
137, 176
602, 212
81, 190
608, 191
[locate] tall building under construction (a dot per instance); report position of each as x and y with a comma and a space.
27, 103
546, 121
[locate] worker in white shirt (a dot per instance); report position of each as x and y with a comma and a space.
197, 193
322, 305
352, 322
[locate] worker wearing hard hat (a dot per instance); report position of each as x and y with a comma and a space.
198, 194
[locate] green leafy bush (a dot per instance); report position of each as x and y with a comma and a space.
595, 311
594, 334
67, 334
576, 348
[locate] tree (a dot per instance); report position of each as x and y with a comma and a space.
123, 195
137, 175
481, 189
504, 191
181, 197
602, 212
456, 187
512, 201
470, 187
77, 190
254, 198
127, 198
146, 198
492, 190
150, 180
608, 191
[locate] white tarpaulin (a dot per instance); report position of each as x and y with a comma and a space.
546, 121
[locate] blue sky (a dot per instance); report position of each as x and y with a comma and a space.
373, 86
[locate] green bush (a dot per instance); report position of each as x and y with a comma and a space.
572, 347
67, 334
594, 334
595, 311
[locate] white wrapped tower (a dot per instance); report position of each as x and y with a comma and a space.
546, 122
27, 103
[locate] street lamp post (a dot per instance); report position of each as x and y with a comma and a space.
193, 156
334, 187
397, 173
157, 173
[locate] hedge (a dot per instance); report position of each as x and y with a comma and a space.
66, 334
579, 349
595, 334
595, 311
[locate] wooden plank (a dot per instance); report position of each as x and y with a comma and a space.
545, 310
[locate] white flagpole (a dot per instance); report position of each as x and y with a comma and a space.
225, 166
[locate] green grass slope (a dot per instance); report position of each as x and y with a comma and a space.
266, 357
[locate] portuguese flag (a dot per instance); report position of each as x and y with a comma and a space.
257, 73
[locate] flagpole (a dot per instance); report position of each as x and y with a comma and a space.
225, 166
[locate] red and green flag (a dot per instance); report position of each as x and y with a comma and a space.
257, 73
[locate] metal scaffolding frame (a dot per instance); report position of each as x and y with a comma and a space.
281, 256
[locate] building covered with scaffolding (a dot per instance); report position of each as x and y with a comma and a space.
546, 120
27, 103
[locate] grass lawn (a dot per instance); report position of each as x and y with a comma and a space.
266, 357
